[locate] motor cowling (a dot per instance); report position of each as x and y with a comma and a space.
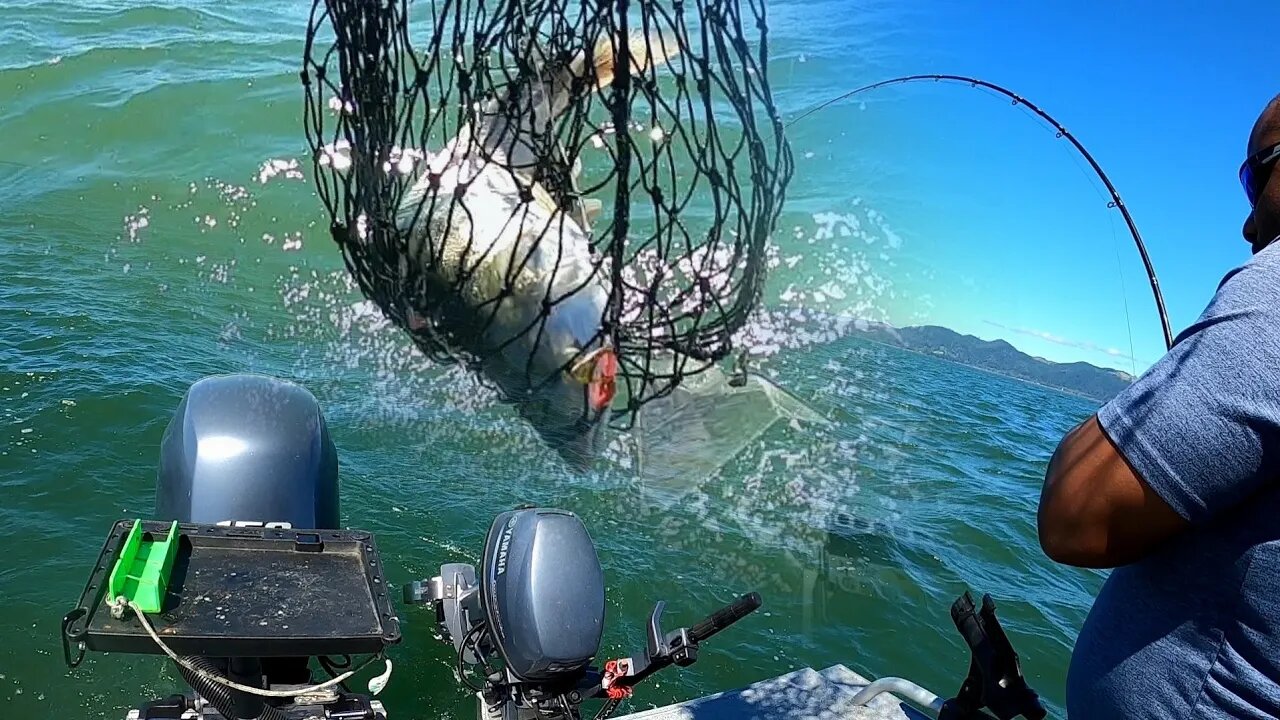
248, 449
542, 589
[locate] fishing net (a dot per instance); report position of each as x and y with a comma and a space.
488, 164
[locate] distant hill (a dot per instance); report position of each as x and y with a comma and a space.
998, 356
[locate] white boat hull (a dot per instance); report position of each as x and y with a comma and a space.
800, 695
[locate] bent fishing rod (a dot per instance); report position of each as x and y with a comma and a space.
1116, 201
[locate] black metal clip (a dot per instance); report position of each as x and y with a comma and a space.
351, 707
995, 680
73, 636
170, 708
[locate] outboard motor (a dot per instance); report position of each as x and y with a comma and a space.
248, 450
543, 593
532, 623
252, 454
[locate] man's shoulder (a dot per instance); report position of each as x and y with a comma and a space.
1260, 274
1247, 300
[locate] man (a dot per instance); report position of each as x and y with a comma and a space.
1176, 484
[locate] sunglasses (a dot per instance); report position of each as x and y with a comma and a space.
1256, 171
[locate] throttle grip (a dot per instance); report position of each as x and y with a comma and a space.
725, 616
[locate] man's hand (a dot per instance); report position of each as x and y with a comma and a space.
1094, 510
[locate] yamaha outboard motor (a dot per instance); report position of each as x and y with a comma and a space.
245, 608
533, 620
543, 593
248, 450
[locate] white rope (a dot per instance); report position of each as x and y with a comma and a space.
120, 602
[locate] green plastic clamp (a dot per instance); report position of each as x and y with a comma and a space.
141, 575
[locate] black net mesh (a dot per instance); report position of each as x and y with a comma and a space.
493, 177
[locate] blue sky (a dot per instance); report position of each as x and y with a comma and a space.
1007, 233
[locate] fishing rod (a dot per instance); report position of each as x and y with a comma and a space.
1116, 201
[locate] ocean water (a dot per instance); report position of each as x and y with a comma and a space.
157, 224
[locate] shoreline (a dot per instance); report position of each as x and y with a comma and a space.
991, 371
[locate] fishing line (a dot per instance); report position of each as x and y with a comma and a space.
1124, 293
1124, 290
1115, 202
1115, 245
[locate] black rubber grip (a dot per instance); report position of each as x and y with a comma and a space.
725, 616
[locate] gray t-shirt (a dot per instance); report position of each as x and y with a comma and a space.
1193, 631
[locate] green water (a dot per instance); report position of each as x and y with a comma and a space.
141, 248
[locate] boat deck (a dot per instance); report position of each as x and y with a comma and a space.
804, 694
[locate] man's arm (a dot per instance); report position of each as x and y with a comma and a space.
1094, 509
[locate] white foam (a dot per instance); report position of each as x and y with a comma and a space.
336, 155
289, 169
136, 223
337, 104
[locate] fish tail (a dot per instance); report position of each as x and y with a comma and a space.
647, 51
